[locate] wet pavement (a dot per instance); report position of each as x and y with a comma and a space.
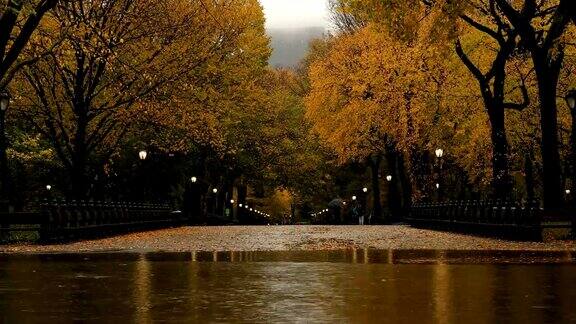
289, 238
347, 286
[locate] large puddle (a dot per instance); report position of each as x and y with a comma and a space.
253, 287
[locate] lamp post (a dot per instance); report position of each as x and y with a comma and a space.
571, 102
49, 191
194, 203
393, 199
439, 187
232, 210
439, 153
4, 105
571, 99
215, 195
364, 207
142, 155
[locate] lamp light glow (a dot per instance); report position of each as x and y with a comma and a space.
439, 153
571, 99
4, 100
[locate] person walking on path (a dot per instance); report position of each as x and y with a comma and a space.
357, 213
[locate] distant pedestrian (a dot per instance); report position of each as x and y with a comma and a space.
355, 212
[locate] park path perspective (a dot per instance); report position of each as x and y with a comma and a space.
291, 238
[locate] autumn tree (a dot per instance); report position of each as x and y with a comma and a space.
368, 98
408, 21
542, 25
492, 83
120, 54
223, 112
345, 20
18, 22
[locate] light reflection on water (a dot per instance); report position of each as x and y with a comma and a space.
341, 286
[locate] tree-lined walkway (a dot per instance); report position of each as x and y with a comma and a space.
281, 238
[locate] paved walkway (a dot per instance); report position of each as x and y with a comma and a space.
282, 238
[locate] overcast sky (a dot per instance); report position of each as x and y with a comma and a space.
295, 13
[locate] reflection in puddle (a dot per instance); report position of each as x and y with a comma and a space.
142, 290
373, 256
253, 287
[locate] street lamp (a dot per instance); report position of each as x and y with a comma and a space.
240, 205
389, 178
354, 198
143, 155
571, 102
194, 179
365, 189
48, 187
232, 201
215, 198
439, 153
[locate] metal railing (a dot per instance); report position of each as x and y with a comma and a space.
61, 220
498, 218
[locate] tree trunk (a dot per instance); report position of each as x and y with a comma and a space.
4, 188
79, 178
492, 88
547, 83
529, 176
501, 180
79, 159
375, 172
406, 185
394, 199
